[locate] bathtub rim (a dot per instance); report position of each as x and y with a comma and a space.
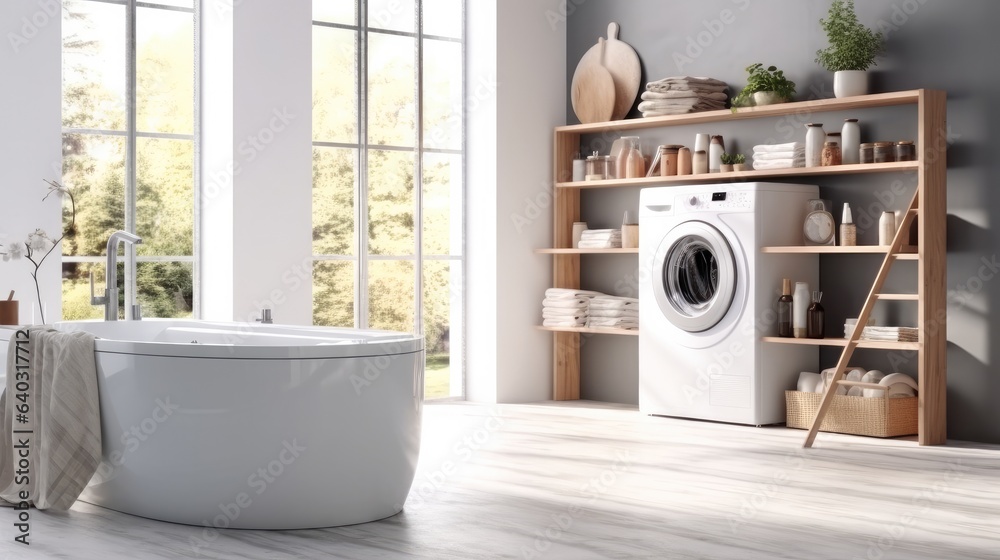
392, 344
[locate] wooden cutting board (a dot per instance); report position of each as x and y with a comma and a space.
593, 89
620, 59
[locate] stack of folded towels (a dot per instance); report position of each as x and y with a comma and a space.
614, 312
683, 94
601, 239
566, 307
779, 156
891, 334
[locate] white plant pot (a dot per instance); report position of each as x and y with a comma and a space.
766, 98
848, 83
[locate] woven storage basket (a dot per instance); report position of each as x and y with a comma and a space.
863, 416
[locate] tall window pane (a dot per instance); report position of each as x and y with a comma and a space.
388, 196
154, 194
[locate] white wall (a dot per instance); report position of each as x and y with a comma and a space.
515, 96
31, 143
256, 231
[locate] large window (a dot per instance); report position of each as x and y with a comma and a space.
388, 173
129, 148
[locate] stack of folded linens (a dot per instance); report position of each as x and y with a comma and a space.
678, 95
601, 239
566, 307
779, 156
614, 312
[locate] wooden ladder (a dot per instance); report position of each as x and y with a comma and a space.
902, 236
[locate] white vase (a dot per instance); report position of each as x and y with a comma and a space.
850, 137
848, 83
767, 98
815, 137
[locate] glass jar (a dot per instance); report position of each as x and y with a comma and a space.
906, 151
831, 154
884, 152
596, 168
867, 152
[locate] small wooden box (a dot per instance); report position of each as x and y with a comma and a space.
863, 416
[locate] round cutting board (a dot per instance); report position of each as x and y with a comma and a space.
622, 62
593, 90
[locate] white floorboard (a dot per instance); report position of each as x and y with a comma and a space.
587, 480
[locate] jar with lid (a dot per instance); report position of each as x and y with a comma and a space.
906, 151
831, 154
867, 153
815, 138
834, 137
596, 168
850, 141
884, 152
669, 156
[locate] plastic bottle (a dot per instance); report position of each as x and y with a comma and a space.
815, 317
785, 309
848, 231
636, 163
800, 308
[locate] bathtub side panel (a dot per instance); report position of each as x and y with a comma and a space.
258, 444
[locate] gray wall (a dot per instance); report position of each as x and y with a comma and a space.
934, 44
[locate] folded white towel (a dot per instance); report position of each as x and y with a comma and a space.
687, 82
788, 147
608, 300
613, 322
766, 156
566, 303
594, 244
570, 293
568, 322
779, 164
614, 306
650, 95
687, 103
614, 313
550, 313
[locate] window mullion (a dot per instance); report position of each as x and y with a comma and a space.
418, 176
361, 295
130, 149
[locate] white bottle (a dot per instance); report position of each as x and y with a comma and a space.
815, 138
800, 305
701, 143
886, 228
716, 148
850, 142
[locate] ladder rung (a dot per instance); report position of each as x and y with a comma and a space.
898, 297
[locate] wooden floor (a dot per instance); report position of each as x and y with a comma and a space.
584, 480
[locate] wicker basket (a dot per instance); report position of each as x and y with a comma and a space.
863, 416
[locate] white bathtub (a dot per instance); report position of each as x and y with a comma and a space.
255, 426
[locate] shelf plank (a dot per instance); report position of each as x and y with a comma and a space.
633, 332
839, 250
630, 251
899, 297
882, 344
743, 176
801, 108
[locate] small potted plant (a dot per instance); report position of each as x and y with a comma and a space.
852, 50
765, 86
727, 163
739, 163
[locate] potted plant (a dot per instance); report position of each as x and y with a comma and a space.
739, 163
852, 50
727, 163
765, 86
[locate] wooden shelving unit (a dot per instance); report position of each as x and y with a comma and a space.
929, 254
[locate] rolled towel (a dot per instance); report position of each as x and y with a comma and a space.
808, 381
788, 147
850, 374
563, 293
567, 303
890, 381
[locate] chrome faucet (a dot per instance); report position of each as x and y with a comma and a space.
110, 298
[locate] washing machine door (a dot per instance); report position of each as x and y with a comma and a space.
694, 276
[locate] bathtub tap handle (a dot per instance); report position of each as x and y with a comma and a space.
265, 317
95, 300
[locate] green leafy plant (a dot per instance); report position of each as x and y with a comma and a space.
728, 159
764, 79
852, 45
739, 159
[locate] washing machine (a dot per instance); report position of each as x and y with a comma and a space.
708, 294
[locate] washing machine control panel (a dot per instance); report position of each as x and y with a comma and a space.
717, 201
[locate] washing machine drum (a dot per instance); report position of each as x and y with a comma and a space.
694, 276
